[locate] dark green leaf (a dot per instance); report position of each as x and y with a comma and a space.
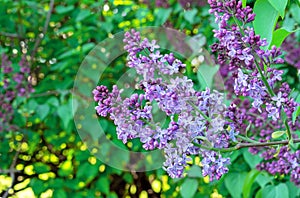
103, 185
40, 167
59, 193
250, 178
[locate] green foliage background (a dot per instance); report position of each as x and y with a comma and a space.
51, 159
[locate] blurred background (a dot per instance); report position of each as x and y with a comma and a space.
41, 153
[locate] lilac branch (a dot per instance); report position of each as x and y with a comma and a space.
12, 172
39, 38
246, 145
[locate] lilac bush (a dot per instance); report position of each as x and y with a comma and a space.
13, 83
200, 123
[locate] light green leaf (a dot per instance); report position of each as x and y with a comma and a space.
252, 160
195, 171
265, 19
244, 3
189, 188
278, 191
278, 36
65, 114
279, 6
206, 75
234, 183
294, 191
63, 9
296, 13
263, 179
161, 15
278, 134
250, 178
190, 15
42, 111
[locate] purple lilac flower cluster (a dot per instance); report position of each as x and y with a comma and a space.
242, 52
13, 84
292, 49
195, 117
287, 163
247, 70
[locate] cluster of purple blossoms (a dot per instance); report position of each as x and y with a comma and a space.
241, 51
292, 49
196, 118
246, 67
14, 83
286, 163
200, 124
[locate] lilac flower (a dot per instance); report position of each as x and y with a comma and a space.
214, 165
278, 99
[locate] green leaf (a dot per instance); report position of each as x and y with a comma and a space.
252, 160
40, 167
64, 9
82, 15
278, 36
189, 188
102, 185
161, 15
65, 114
87, 170
244, 3
66, 168
234, 183
206, 75
278, 191
297, 112
259, 194
296, 13
195, 171
279, 6
294, 191
190, 15
263, 179
59, 193
250, 178
278, 134
265, 19
43, 110
37, 186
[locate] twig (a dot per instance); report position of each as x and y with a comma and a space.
11, 35
246, 145
12, 172
39, 39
